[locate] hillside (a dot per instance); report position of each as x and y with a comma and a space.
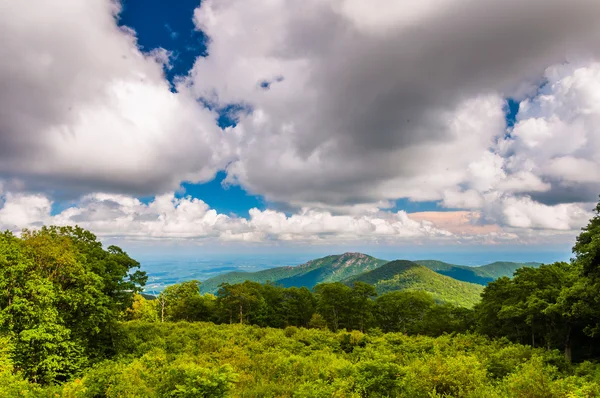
327, 269
408, 275
211, 285
481, 275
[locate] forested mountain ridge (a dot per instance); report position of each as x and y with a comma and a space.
338, 267
409, 276
482, 274
331, 268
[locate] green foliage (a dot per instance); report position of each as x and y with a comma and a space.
60, 293
532, 308
583, 300
407, 275
183, 302
242, 303
142, 309
587, 246
403, 311
203, 359
157, 374
12, 382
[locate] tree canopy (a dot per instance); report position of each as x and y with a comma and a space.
60, 295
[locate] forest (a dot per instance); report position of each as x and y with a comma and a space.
75, 322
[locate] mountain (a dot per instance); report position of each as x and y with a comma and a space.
481, 275
332, 268
408, 275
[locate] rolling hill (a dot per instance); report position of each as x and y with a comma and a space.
332, 268
408, 275
481, 275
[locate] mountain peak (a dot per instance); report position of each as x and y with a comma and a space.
354, 254
349, 258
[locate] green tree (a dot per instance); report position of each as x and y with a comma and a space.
58, 300
447, 318
241, 303
142, 309
529, 308
334, 304
583, 300
274, 310
298, 306
184, 302
403, 311
361, 305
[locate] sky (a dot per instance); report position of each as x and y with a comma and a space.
252, 127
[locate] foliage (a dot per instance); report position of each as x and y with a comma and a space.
142, 309
203, 359
60, 295
583, 300
183, 302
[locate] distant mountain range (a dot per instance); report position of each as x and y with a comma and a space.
456, 284
332, 268
481, 275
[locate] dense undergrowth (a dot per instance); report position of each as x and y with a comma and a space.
207, 360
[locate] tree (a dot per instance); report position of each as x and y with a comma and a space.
273, 296
143, 309
242, 302
403, 311
334, 304
447, 318
184, 302
493, 297
528, 308
583, 299
60, 295
362, 305
587, 247
298, 306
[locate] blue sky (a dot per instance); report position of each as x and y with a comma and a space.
152, 125
159, 24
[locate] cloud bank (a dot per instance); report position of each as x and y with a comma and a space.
344, 108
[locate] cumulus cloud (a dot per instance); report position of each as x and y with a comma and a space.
369, 103
545, 173
344, 108
557, 135
168, 217
83, 110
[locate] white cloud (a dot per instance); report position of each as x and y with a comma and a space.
376, 103
19, 211
167, 217
83, 110
525, 213
347, 107
556, 137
